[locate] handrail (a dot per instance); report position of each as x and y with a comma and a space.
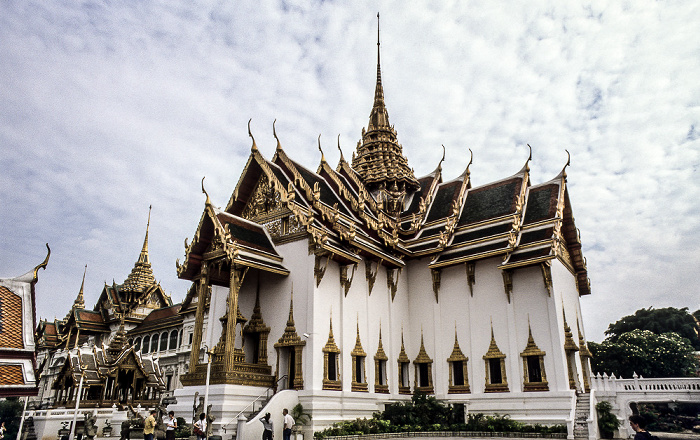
253, 402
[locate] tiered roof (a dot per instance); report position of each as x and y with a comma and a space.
376, 210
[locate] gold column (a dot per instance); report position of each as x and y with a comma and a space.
237, 276
199, 320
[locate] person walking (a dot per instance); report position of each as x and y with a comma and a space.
288, 424
201, 427
170, 426
269, 430
149, 426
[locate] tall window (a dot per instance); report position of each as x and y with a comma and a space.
424, 370
458, 370
331, 372
534, 377
381, 385
163, 341
173, 340
154, 343
359, 382
145, 346
137, 344
495, 364
404, 362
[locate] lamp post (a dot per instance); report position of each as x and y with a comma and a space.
77, 405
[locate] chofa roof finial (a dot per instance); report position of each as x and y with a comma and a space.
253, 147
274, 133
208, 201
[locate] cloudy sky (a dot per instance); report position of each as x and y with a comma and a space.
109, 107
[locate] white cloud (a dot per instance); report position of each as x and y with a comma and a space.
108, 108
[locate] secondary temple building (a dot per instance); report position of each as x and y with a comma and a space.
343, 289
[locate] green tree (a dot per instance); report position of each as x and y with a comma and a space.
644, 353
658, 321
10, 413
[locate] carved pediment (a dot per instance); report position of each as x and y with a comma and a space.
264, 202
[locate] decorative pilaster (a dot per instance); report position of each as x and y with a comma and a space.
585, 355
202, 286
237, 276
570, 349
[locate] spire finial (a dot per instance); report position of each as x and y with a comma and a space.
342, 159
274, 133
323, 158
208, 201
143, 257
79, 301
529, 158
253, 147
43, 264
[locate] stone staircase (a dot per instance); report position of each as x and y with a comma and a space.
28, 432
583, 409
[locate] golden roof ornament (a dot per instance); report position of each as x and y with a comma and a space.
79, 302
254, 147
379, 160
141, 276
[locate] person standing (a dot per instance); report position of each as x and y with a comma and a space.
171, 424
268, 431
201, 427
288, 424
149, 426
3, 430
638, 425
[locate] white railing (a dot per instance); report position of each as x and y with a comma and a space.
640, 384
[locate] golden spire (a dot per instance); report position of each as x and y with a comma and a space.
141, 276
79, 302
379, 160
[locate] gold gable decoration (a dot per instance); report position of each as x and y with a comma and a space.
264, 203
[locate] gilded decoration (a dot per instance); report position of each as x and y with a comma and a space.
458, 364
507, 282
264, 202
570, 349
392, 280
471, 275
359, 379
371, 275
320, 267
547, 276
494, 361
534, 376
380, 360
585, 355
346, 282
436, 282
